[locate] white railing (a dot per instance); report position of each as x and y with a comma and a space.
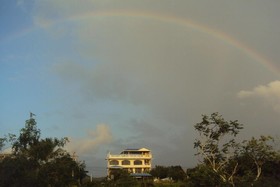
130, 166
129, 156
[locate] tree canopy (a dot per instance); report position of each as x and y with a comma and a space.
226, 162
176, 173
37, 161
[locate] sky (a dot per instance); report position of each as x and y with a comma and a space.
112, 75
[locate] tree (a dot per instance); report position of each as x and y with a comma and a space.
255, 153
39, 162
2, 143
202, 175
18, 171
159, 172
121, 177
6, 139
61, 172
271, 172
176, 173
217, 147
226, 162
29, 137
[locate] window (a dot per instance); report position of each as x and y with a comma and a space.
114, 162
138, 162
125, 162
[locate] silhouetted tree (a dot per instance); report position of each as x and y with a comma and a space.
216, 145
122, 178
159, 172
203, 176
176, 173
255, 155
226, 162
39, 162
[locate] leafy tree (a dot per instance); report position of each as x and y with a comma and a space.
18, 171
176, 173
39, 162
6, 139
159, 172
225, 162
202, 175
61, 172
216, 145
270, 173
2, 143
122, 178
29, 137
254, 154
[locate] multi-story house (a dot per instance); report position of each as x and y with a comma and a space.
131, 160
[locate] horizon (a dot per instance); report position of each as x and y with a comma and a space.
135, 73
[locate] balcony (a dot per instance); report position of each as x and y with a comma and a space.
110, 156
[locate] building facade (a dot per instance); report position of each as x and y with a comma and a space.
131, 160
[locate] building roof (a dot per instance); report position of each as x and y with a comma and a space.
136, 149
144, 149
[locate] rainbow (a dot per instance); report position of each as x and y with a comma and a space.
219, 35
186, 23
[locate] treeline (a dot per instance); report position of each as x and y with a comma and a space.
223, 161
174, 173
37, 161
226, 162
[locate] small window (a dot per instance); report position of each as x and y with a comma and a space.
138, 162
125, 162
114, 162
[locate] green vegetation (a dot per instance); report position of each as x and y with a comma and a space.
224, 161
176, 173
38, 162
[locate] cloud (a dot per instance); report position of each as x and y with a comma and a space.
100, 136
171, 71
269, 93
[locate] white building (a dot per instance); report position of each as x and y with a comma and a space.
131, 160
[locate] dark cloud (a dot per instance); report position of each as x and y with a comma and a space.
170, 72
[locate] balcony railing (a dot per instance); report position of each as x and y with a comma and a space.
129, 156
129, 166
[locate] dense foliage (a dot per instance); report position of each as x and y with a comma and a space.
38, 162
121, 178
176, 173
224, 162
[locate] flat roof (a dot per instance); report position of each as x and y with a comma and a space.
136, 149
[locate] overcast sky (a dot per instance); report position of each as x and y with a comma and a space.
112, 75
